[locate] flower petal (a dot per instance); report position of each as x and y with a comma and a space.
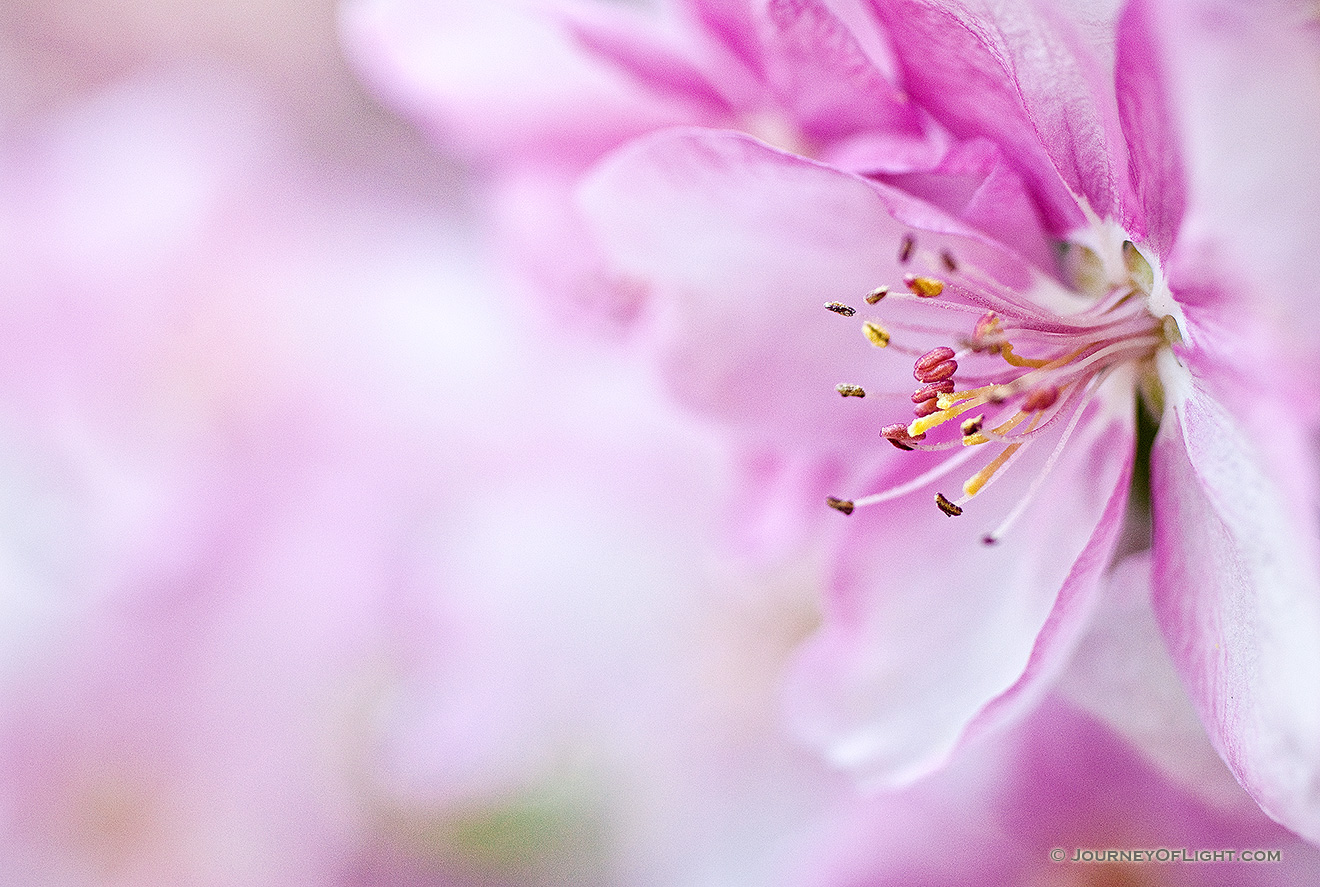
1244, 80
934, 636
826, 77
741, 245
1237, 593
1021, 77
1122, 674
1149, 126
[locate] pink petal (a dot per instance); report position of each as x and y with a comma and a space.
1237, 593
827, 79
934, 636
740, 246
1024, 79
976, 183
1244, 81
1121, 673
1149, 124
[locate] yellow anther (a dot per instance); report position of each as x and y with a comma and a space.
925, 423
875, 333
925, 287
850, 390
876, 294
947, 400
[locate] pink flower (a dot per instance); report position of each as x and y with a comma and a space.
1046, 802
1086, 215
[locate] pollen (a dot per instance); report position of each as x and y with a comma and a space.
875, 334
844, 505
946, 506
926, 287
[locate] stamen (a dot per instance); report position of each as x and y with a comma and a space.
1040, 399
1006, 352
949, 264
934, 356
840, 308
932, 391
926, 408
979, 437
925, 287
938, 373
876, 334
850, 390
973, 426
993, 537
897, 434
844, 505
977, 482
876, 294
925, 479
922, 425
905, 249
946, 506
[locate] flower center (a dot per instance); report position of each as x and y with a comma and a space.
1007, 371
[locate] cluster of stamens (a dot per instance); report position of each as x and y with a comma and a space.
1014, 370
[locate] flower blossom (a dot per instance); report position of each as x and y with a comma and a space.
1077, 251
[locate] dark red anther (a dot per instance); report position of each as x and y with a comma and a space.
932, 391
926, 407
1040, 399
937, 373
897, 434
933, 357
905, 249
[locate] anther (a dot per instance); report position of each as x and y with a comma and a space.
973, 425
925, 287
938, 373
876, 334
850, 390
876, 294
897, 434
932, 391
926, 408
844, 505
986, 332
1040, 399
949, 264
933, 358
946, 506
905, 248
840, 308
